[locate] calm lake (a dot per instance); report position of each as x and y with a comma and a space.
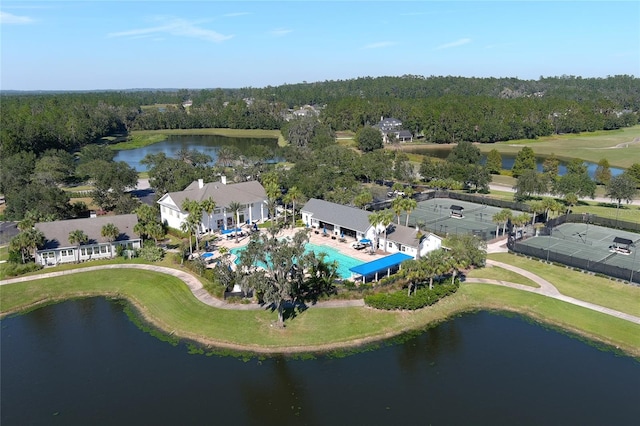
509, 159
85, 363
206, 144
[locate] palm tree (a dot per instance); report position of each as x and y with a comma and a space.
294, 195
437, 263
235, 207
398, 206
286, 199
571, 200
194, 219
110, 233
505, 215
536, 207
208, 206
409, 205
78, 237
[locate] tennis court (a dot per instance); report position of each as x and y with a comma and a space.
589, 242
447, 216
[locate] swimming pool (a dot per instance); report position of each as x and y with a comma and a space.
344, 262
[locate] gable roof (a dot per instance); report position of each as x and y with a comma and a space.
223, 194
344, 216
403, 235
57, 233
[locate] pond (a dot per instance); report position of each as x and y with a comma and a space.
84, 362
206, 144
509, 159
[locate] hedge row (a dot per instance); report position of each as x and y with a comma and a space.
400, 300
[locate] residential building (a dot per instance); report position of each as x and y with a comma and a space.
393, 127
58, 249
251, 195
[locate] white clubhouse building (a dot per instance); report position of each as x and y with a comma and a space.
250, 194
350, 222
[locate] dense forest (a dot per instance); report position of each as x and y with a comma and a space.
440, 109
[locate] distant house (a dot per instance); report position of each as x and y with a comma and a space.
57, 248
352, 222
250, 194
393, 127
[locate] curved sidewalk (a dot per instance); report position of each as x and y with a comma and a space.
195, 286
549, 290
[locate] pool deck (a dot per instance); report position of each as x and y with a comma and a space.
317, 239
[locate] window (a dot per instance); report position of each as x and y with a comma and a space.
83, 251
65, 253
103, 249
216, 211
48, 255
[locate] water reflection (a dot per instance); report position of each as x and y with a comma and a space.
509, 159
205, 144
84, 362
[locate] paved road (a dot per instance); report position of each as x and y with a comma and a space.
507, 188
546, 288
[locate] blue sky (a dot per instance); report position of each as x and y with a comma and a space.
84, 45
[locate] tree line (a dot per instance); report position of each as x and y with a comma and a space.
440, 109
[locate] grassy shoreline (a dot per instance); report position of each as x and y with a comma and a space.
142, 138
167, 304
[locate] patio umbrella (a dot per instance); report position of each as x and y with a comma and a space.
341, 234
365, 241
324, 230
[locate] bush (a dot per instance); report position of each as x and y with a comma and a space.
151, 253
400, 300
14, 269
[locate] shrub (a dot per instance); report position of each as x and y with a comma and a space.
400, 300
14, 269
151, 253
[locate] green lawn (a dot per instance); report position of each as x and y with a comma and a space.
617, 146
501, 274
166, 302
590, 288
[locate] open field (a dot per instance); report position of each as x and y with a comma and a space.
621, 147
167, 303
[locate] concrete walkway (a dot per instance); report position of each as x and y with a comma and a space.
546, 288
191, 281
549, 290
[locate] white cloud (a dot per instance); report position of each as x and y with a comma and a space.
279, 32
176, 27
9, 18
454, 43
379, 45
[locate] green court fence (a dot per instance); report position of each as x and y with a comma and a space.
631, 275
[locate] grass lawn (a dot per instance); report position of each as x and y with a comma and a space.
501, 274
166, 302
617, 146
620, 147
590, 288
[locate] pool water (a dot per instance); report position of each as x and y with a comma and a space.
344, 262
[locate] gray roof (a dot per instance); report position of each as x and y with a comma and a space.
403, 235
57, 233
337, 214
223, 194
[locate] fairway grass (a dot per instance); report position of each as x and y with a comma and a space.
167, 303
620, 147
